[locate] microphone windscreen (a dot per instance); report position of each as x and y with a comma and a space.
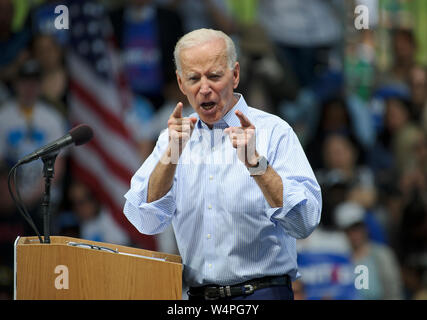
81, 134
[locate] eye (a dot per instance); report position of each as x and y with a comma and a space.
214, 76
193, 78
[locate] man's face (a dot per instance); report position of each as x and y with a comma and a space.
207, 80
28, 91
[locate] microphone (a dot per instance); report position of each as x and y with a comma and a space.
78, 135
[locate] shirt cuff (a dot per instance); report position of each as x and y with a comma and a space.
153, 217
292, 196
166, 203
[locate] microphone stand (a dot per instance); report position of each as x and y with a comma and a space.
48, 172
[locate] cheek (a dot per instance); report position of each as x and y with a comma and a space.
190, 92
225, 92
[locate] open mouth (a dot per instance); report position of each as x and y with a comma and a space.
207, 105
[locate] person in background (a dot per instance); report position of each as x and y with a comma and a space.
418, 88
335, 118
42, 20
13, 44
95, 222
299, 293
54, 76
146, 34
341, 165
12, 225
304, 32
204, 14
340, 158
324, 260
404, 49
26, 124
399, 134
384, 274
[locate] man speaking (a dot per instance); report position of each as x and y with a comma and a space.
233, 180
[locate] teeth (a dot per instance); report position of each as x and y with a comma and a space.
208, 105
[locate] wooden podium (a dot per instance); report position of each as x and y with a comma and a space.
75, 269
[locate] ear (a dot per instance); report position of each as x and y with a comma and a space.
236, 75
180, 83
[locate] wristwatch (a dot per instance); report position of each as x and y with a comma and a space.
260, 168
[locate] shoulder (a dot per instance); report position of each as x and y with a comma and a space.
48, 111
8, 107
9, 115
383, 252
50, 118
263, 120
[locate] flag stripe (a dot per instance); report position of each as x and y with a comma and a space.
88, 158
105, 90
112, 166
113, 145
113, 122
99, 97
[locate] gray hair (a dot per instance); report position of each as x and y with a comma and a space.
202, 36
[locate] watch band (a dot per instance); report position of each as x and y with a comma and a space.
260, 168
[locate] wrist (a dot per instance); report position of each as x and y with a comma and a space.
171, 155
253, 162
259, 168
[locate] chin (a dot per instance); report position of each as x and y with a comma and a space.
211, 119
208, 121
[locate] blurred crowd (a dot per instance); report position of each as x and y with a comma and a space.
357, 100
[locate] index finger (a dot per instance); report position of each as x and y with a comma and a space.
177, 112
244, 121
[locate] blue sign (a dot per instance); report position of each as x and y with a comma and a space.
327, 276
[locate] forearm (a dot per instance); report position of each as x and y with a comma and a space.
271, 186
301, 220
150, 201
179, 132
161, 178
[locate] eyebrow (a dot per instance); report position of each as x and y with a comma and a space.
192, 74
216, 72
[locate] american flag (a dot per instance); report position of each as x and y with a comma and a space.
99, 97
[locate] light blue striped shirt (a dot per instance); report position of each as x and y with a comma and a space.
225, 229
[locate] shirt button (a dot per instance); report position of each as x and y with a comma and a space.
209, 207
210, 177
210, 265
213, 148
209, 236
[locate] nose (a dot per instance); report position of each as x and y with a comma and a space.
205, 88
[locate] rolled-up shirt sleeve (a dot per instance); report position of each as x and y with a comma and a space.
153, 217
302, 199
